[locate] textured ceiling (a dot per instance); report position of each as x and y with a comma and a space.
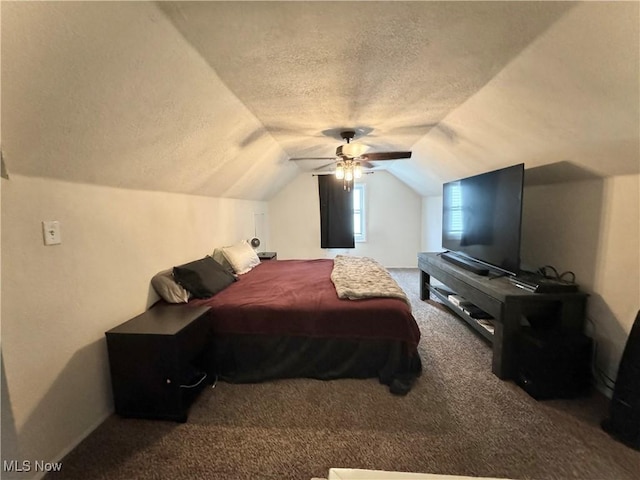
213, 98
392, 70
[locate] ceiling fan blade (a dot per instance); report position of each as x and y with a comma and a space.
323, 166
385, 155
293, 159
366, 164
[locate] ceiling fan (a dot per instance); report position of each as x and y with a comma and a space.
351, 158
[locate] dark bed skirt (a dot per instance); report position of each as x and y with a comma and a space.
257, 358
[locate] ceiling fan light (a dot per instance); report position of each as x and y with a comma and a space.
357, 170
354, 150
340, 171
348, 175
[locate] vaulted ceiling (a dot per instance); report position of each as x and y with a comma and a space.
214, 98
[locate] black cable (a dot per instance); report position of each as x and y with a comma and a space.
599, 370
573, 276
603, 377
543, 271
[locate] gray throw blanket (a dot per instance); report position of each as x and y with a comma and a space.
356, 278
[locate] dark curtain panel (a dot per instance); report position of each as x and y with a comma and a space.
336, 213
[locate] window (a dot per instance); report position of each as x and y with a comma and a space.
455, 214
359, 225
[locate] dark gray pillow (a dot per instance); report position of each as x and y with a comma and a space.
203, 278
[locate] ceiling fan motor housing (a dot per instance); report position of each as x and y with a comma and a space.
348, 135
343, 150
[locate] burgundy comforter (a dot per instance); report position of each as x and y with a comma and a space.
298, 298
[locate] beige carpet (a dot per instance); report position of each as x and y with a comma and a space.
459, 419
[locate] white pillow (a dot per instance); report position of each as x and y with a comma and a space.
219, 257
166, 286
241, 257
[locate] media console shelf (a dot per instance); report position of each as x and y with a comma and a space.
510, 306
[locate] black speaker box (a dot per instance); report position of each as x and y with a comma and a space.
553, 363
624, 418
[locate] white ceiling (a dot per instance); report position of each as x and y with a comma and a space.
213, 98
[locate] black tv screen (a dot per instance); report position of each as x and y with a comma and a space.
482, 216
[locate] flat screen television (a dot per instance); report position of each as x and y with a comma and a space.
482, 218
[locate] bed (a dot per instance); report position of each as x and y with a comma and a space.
283, 319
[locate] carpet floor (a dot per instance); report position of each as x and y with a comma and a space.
458, 419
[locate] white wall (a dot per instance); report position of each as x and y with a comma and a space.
57, 301
393, 221
591, 228
588, 227
432, 221
8, 437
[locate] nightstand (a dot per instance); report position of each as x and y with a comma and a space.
267, 256
160, 361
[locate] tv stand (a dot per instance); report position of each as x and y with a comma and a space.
509, 305
470, 265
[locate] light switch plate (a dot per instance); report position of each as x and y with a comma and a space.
51, 232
